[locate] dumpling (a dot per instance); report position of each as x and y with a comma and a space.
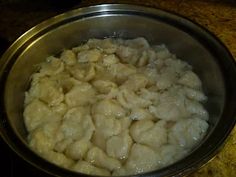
86, 56
196, 108
195, 94
110, 60
138, 43
130, 100
83, 71
108, 45
80, 95
188, 132
99, 158
109, 108
43, 138
142, 159
69, 57
140, 114
58, 158
77, 124
166, 79
149, 133
121, 72
119, 146
171, 153
48, 91
171, 105
161, 51
87, 168
128, 54
190, 79
53, 66
107, 126
37, 113
135, 82
78, 149
104, 86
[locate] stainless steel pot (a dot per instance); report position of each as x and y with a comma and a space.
190, 42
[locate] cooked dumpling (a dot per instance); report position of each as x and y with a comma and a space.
37, 113
48, 91
188, 132
149, 133
99, 158
142, 159
87, 168
109, 108
80, 95
119, 146
77, 124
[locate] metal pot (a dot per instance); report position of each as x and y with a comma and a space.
190, 42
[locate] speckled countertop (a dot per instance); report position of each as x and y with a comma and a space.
217, 16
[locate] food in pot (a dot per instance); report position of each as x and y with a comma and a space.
115, 107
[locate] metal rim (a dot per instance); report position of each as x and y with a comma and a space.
185, 24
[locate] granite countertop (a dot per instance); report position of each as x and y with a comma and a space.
217, 16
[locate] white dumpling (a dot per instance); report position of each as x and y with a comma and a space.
43, 138
110, 60
148, 133
195, 94
142, 159
53, 66
178, 66
138, 43
80, 95
166, 79
37, 113
171, 105
60, 109
171, 153
188, 132
190, 79
78, 149
62, 144
83, 71
196, 108
87, 168
109, 108
135, 82
58, 158
99, 139
150, 73
77, 124
80, 48
125, 123
128, 54
140, 114
86, 56
99, 158
104, 86
130, 100
149, 94
69, 57
121, 72
119, 146
107, 126
48, 91
162, 52
108, 45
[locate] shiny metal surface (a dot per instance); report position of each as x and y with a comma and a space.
209, 58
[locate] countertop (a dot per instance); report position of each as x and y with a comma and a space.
219, 17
